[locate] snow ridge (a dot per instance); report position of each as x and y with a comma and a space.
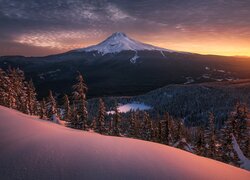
118, 42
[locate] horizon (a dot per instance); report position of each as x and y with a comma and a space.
34, 28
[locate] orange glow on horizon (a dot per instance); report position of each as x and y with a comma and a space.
223, 44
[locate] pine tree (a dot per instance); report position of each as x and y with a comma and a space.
101, 117
31, 98
200, 143
79, 95
178, 131
116, 123
132, 132
111, 127
67, 110
43, 110
52, 107
3, 88
147, 128
19, 88
241, 132
166, 129
14, 89
211, 148
74, 119
227, 153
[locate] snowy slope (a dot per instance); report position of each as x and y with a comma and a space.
118, 42
37, 149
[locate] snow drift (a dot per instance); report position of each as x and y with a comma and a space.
37, 149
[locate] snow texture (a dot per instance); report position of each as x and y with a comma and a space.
38, 149
118, 42
245, 162
134, 58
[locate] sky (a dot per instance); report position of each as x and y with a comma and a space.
43, 27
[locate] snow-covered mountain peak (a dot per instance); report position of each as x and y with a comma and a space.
118, 42
118, 34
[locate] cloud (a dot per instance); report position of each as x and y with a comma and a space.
63, 24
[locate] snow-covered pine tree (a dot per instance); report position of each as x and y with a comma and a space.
74, 119
110, 126
211, 143
116, 123
159, 132
67, 114
101, 117
200, 143
52, 107
242, 133
20, 87
166, 128
146, 127
180, 136
132, 126
31, 98
3, 88
227, 153
12, 88
79, 95
43, 110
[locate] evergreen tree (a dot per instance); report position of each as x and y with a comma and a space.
3, 88
52, 108
116, 123
241, 132
211, 148
79, 95
159, 132
200, 144
31, 98
178, 131
43, 110
166, 129
67, 110
101, 117
74, 119
146, 127
227, 152
132, 132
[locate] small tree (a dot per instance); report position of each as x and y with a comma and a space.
79, 96
101, 117
52, 109
31, 98
200, 144
116, 123
227, 152
67, 110
132, 132
43, 110
211, 147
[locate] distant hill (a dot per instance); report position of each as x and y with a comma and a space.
192, 102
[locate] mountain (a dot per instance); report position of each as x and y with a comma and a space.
119, 42
122, 66
36, 149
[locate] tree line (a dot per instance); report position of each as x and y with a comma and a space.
19, 94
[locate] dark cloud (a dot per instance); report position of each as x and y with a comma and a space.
57, 25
